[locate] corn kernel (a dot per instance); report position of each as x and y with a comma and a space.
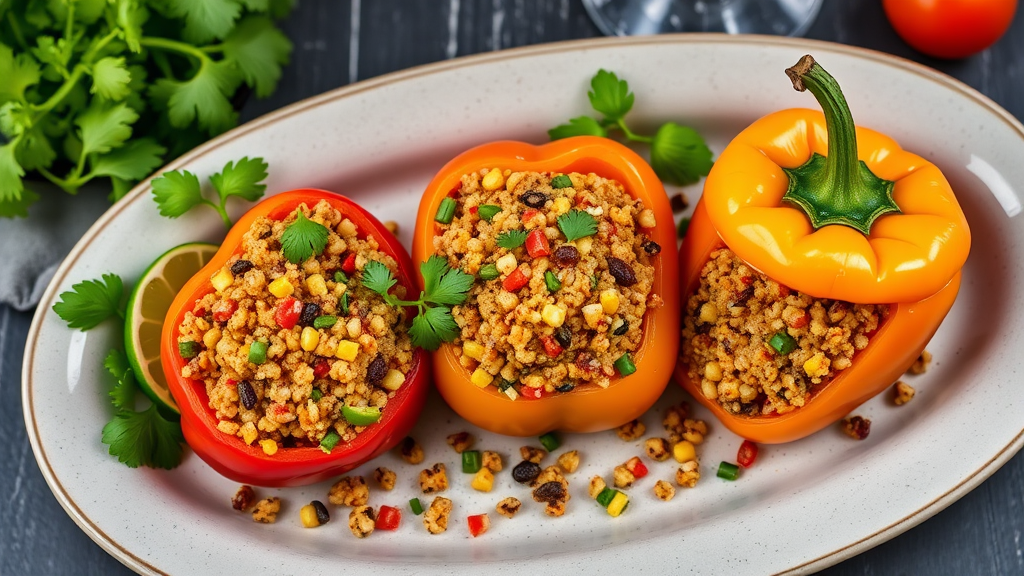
618, 504
473, 349
269, 447
483, 481
249, 432
610, 300
308, 516
585, 245
316, 285
561, 205
816, 365
481, 378
708, 313
553, 316
348, 350
507, 263
646, 218
393, 380
493, 180
281, 287
222, 280
211, 338
684, 452
593, 314
309, 339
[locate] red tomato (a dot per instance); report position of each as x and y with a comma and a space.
287, 312
349, 265
747, 454
950, 28
388, 518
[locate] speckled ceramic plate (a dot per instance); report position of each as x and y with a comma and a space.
803, 506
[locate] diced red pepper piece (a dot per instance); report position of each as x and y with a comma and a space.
528, 215
474, 210
637, 467
454, 192
551, 346
747, 454
223, 310
321, 368
287, 313
199, 311
537, 244
349, 265
231, 382
478, 524
515, 280
530, 392
388, 518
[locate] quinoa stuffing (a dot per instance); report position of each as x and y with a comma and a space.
759, 348
291, 352
564, 275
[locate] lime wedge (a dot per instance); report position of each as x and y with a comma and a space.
147, 306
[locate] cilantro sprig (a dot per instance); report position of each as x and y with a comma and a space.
576, 224
443, 287
679, 154
178, 191
90, 302
303, 238
511, 239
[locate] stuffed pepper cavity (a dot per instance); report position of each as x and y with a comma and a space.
288, 368
819, 262
571, 322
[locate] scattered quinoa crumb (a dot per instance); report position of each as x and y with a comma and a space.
391, 226
674, 417
856, 427
508, 506
688, 474
491, 461
664, 491
597, 484
920, 366
622, 477
532, 454
693, 431
435, 518
385, 478
461, 441
244, 499
362, 521
266, 510
902, 393
434, 479
569, 461
410, 450
632, 430
349, 491
657, 449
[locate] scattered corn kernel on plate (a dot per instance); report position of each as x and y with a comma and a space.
798, 508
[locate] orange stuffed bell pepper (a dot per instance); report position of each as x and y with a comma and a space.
288, 371
819, 262
572, 322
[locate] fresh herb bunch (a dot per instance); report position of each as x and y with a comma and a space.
178, 191
111, 88
679, 154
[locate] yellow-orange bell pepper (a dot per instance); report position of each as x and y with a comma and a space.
590, 408
838, 212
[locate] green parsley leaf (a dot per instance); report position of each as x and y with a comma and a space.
511, 239
580, 126
561, 181
303, 238
431, 271
90, 302
378, 277
144, 439
260, 50
133, 161
679, 154
241, 179
18, 208
104, 128
14, 118
610, 96
445, 286
577, 224
10, 175
18, 73
488, 211
110, 78
432, 327
203, 97
123, 392
35, 150
205, 19
176, 192
131, 15
256, 5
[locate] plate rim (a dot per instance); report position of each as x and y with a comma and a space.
140, 565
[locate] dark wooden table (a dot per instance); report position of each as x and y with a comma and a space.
339, 42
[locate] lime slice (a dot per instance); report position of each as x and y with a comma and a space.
147, 306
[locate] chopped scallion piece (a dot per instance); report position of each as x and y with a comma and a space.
782, 342
728, 471
344, 304
324, 321
340, 276
446, 211
488, 211
561, 181
550, 442
554, 284
471, 461
489, 272
316, 395
605, 497
188, 349
625, 365
504, 385
330, 440
417, 508
258, 352
593, 282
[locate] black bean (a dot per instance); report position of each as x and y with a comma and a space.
566, 255
322, 515
679, 202
622, 329
565, 387
525, 472
622, 272
241, 267
564, 336
549, 492
310, 311
534, 198
652, 247
377, 369
247, 395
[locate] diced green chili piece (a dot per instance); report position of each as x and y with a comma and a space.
554, 284
487, 211
489, 272
605, 497
782, 342
258, 352
561, 181
593, 282
360, 415
684, 225
504, 385
417, 508
188, 349
471, 461
324, 321
625, 365
446, 211
344, 304
330, 440
316, 394
340, 276
728, 471
549, 441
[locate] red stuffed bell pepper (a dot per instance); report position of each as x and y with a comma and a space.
286, 371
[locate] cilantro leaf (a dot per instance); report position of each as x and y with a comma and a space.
609, 95
14, 118
378, 277
123, 392
35, 150
577, 224
176, 192
432, 327
241, 179
203, 97
303, 238
131, 15
445, 286
133, 161
90, 302
431, 271
18, 73
10, 174
679, 154
144, 439
104, 128
511, 239
259, 50
205, 19
256, 5
110, 78
580, 126
18, 208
